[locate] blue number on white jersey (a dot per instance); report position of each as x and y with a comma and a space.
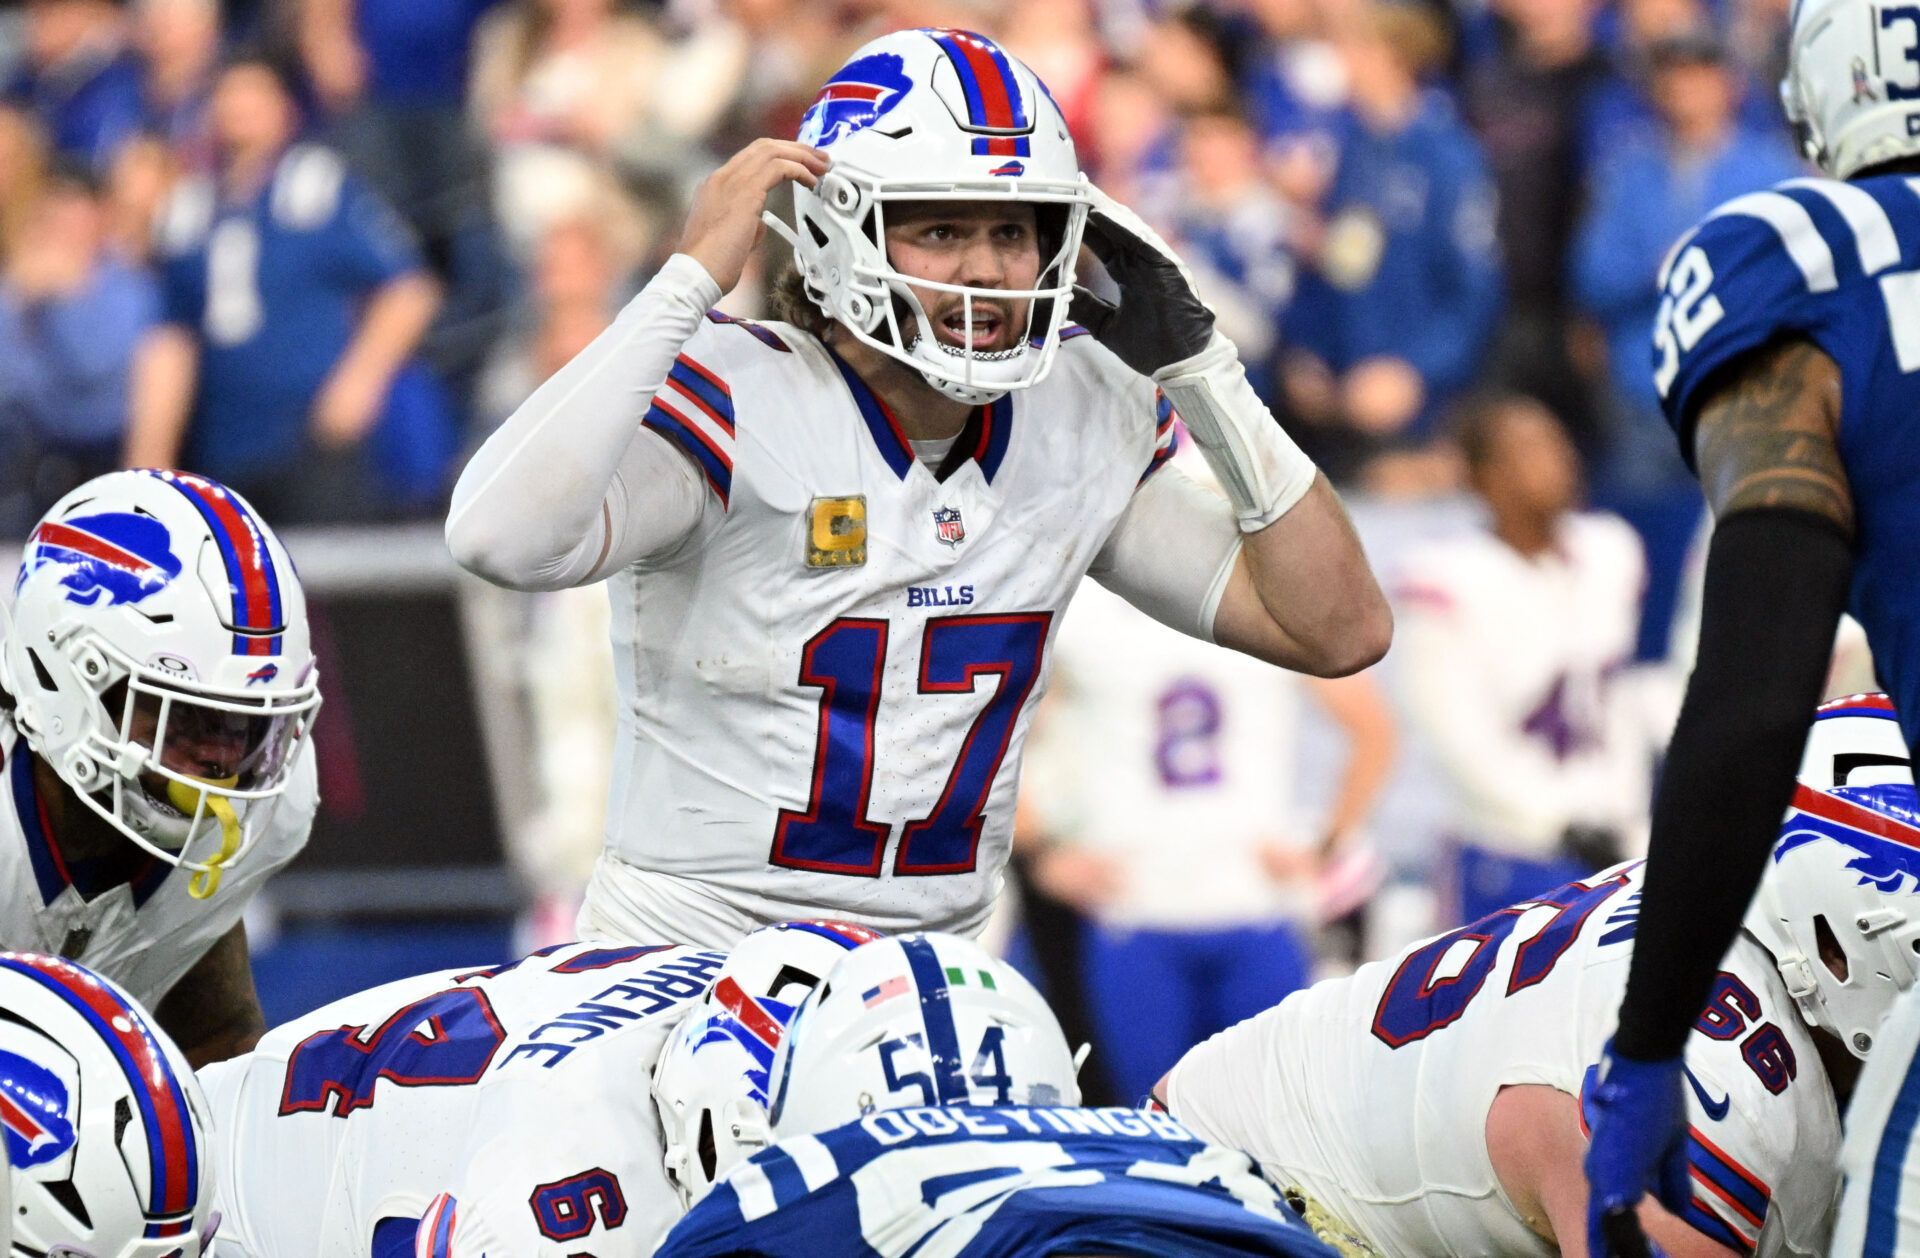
1837, 264
986, 1182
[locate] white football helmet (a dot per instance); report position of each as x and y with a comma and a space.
1852, 90
102, 1120
937, 115
710, 1084
159, 661
927, 1019
1839, 906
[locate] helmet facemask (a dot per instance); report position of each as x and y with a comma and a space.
841, 250
189, 773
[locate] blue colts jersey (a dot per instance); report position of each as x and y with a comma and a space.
987, 1182
1837, 264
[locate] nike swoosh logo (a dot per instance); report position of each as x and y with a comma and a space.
1716, 1110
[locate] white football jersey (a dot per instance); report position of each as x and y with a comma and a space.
144, 934
1370, 1093
520, 1091
825, 689
1510, 663
1173, 756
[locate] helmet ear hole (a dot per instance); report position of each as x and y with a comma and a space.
40, 673
1832, 955
709, 1155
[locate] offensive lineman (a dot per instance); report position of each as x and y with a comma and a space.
157, 690
1447, 1118
923, 1105
838, 552
506, 1107
1787, 356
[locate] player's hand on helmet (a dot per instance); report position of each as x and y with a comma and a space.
723, 227
1636, 1112
1159, 319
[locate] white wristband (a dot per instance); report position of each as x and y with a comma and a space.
1262, 470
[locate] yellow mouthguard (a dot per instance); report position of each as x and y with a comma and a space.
188, 800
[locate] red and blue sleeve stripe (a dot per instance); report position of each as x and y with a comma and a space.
704, 389
252, 577
1729, 1201
1166, 435
1857, 705
435, 1237
694, 410
173, 1155
993, 95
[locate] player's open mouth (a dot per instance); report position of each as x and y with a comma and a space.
982, 334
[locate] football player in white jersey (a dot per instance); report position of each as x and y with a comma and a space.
1512, 638
157, 688
504, 1110
838, 551
1433, 1102
104, 1150
1159, 800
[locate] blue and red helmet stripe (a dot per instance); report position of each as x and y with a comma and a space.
173, 1154
1877, 705
846, 934
994, 100
252, 576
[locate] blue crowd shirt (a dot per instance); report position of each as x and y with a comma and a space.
273, 286
1409, 268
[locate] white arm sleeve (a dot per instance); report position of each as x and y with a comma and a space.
570, 488
1171, 552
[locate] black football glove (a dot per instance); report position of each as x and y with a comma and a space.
1160, 319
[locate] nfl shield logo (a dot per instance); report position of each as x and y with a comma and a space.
948, 526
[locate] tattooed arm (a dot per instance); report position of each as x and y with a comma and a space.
1777, 573
213, 1013
1766, 443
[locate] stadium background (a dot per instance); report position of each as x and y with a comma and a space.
1395, 206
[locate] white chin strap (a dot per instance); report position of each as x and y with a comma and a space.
992, 373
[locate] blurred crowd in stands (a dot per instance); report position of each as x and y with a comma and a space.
316, 248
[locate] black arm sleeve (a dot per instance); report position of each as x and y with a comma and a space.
1776, 584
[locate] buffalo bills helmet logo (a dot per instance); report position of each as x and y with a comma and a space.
264, 673
753, 1025
855, 98
33, 1111
1885, 863
117, 556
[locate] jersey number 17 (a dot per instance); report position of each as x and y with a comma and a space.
845, 661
